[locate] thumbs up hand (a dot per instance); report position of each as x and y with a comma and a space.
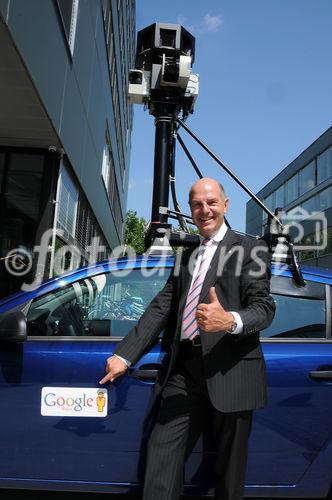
213, 317
213, 296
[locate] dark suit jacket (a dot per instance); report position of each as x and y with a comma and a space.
234, 364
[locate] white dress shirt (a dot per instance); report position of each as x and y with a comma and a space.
208, 255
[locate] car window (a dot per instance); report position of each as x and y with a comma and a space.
108, 304
297, 317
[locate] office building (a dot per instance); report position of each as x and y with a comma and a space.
65, 132
304, 191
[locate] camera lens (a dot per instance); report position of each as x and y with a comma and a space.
171, 73
135, 77
167, 38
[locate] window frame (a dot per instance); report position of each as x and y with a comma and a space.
71, 34
293, 183
327, 152
63, 172
287, 287
302, 188
26, 307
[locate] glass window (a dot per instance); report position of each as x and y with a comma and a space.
107, 17
307, 240
310, 205
67, 258
307, 178
325, 198
328, 248
105, 168
108, 23
21, 193
68, 11
108, 174
66, 7
23, 185
269, 202
280, 197
292, 189
297, 317
324, 165
67, 203
108, 304
292, 215
108, 168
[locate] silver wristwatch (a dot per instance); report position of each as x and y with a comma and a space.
232, 328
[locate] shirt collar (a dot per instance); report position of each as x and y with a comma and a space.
219, 235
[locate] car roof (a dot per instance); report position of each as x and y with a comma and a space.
115, 264
141, 261
319, 274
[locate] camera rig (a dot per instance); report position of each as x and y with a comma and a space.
164, 83
163, 79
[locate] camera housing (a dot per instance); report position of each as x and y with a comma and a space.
163, 68
138, 86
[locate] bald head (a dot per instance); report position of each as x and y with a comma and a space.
204, 183
208, 205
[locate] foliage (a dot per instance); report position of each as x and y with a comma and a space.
135, 231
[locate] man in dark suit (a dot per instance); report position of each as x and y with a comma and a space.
212, 311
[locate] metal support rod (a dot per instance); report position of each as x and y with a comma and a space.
175, 214
190, 158
229, 171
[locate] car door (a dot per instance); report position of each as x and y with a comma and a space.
59, 427
292, 435
290, 450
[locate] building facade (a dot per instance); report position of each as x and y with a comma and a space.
65, 133
304, 191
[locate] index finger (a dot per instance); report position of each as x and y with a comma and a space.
107, 378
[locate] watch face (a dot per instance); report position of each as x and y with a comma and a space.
232, 328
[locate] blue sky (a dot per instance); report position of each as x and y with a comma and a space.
265, 92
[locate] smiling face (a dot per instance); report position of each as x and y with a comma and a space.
208, 205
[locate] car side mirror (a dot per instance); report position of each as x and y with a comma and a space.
13, 327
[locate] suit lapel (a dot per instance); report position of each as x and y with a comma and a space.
223, 248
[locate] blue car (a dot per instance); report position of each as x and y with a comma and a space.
61, 430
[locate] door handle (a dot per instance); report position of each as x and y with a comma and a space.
145, 372
321, 375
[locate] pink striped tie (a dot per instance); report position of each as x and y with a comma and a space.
189, 323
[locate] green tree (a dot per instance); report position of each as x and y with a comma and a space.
134, 231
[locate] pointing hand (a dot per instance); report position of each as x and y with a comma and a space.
114, 369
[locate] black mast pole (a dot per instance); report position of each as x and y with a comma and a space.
162, 166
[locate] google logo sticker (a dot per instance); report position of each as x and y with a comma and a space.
73, 401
